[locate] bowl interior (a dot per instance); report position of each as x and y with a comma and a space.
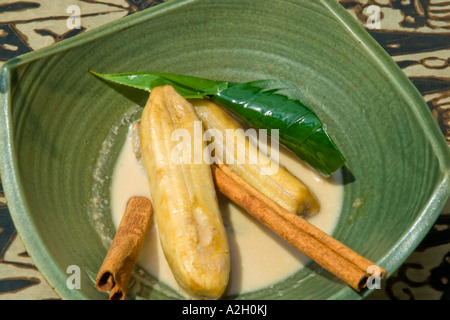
64, 128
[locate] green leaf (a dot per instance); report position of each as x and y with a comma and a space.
275, 104
263, 104
187, 86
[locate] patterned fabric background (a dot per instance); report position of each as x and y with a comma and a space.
416, 33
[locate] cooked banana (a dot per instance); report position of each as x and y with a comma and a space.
279, 185
191, 229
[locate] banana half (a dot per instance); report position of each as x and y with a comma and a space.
190, 224
280, 185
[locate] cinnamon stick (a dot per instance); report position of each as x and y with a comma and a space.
115, 272
332, 255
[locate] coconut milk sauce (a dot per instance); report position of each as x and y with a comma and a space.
259, 257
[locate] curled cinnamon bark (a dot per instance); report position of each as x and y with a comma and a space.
328, 252
115, 272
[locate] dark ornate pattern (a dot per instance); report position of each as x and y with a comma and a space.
416, 33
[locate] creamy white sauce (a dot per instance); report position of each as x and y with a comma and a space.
259, 257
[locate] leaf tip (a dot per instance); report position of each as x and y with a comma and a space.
95, 73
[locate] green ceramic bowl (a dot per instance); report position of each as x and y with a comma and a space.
61, 129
